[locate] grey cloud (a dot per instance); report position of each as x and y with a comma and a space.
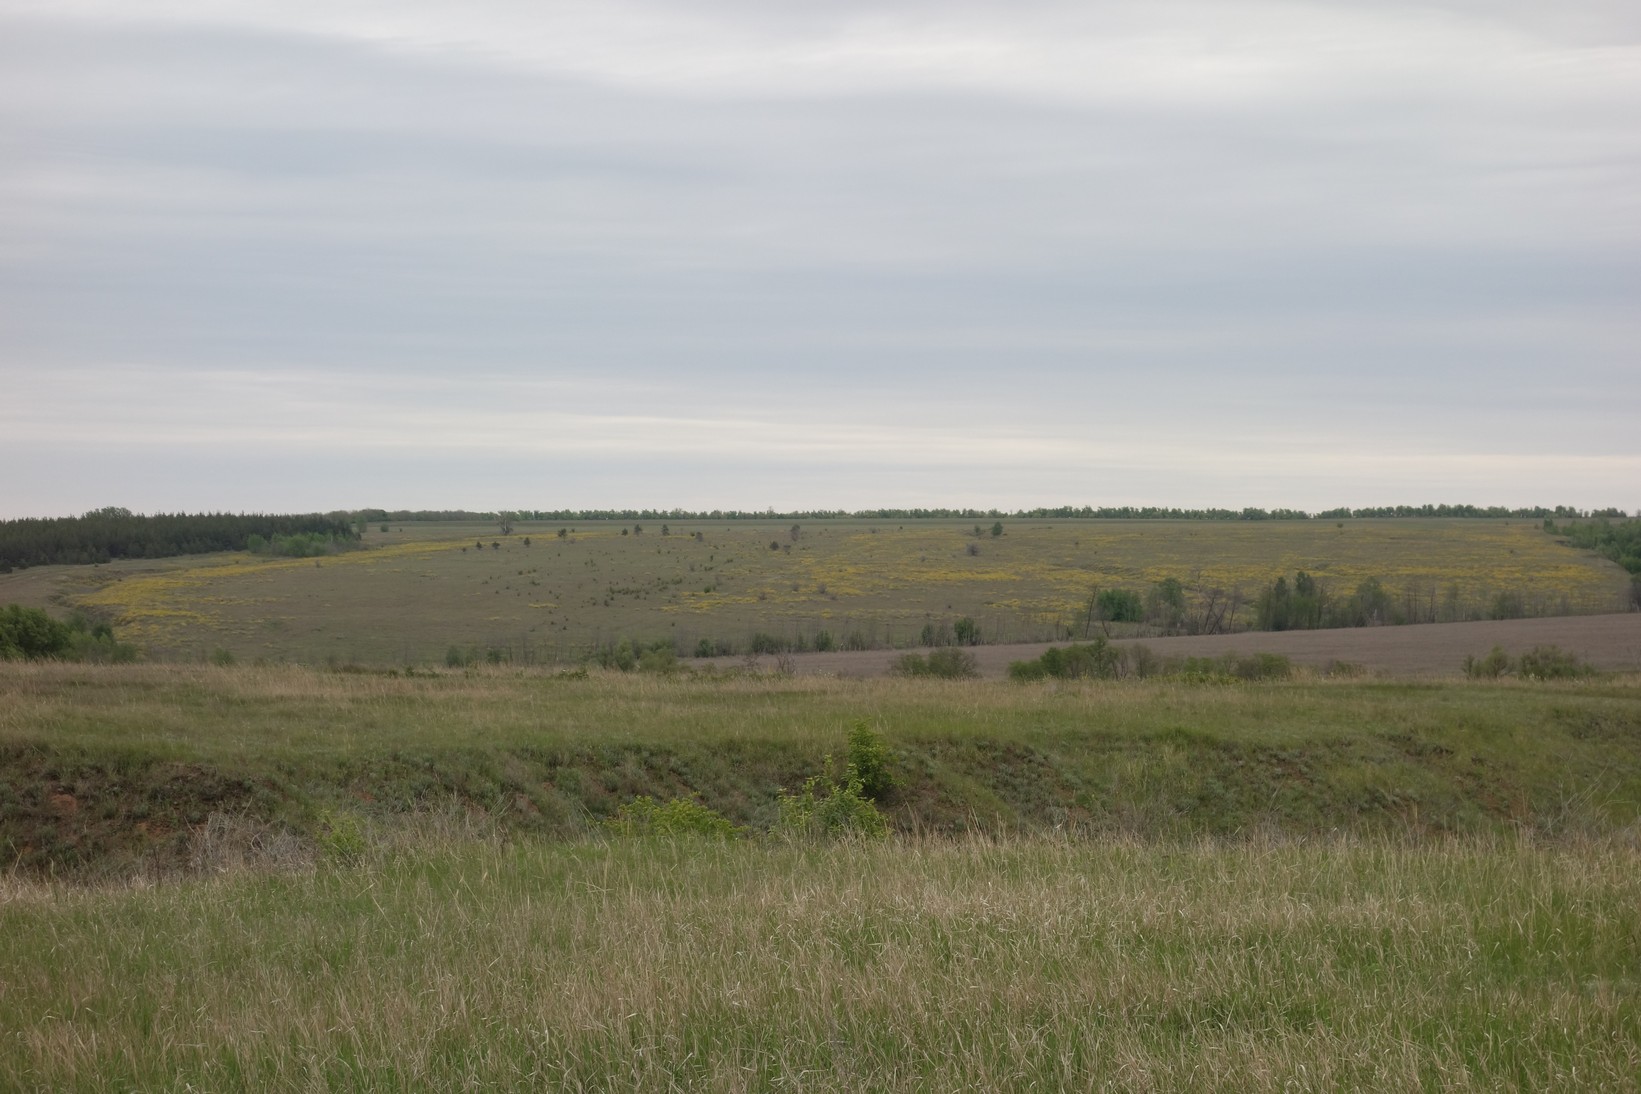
1410, 222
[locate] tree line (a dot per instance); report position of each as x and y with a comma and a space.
1064, 512
111, 533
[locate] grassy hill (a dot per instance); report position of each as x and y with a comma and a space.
422, 594
120, 768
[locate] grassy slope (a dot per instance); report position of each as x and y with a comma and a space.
413, 594
107, 768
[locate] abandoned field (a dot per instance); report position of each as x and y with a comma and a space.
300, 847
416, 594
291, 878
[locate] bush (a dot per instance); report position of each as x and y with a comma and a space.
1491, 667
29, 634
1095, 660
341, 837
869, 759
842, 810
948, 663
222, 657
1120, 606
678, 818
823, 641
661, 659
766, 643
1551, 663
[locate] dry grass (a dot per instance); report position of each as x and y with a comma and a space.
415, 593
1012, 965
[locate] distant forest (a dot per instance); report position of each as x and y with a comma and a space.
107, 534
1064, 512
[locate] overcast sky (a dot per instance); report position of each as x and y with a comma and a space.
737, 254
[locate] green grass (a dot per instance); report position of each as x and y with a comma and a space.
1342, 964
413, 594
115, 769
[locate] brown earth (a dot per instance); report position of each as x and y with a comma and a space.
1609, 642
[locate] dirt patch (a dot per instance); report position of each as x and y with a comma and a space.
1610, 642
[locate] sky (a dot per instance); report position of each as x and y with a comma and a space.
319, 254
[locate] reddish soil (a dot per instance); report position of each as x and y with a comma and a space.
1611, 642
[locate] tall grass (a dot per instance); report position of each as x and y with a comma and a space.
976, 964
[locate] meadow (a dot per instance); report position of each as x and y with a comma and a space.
419, 595
290, 878
1022, 964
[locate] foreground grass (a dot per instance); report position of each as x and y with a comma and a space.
976, 964
115, 769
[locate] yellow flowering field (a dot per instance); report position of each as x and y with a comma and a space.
412, 594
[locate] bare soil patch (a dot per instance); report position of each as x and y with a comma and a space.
1609, 642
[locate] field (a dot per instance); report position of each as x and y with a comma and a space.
290, 878
1034, 964
298, 850
417, 592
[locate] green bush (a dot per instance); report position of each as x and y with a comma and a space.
1551, 663
1088, 660
678, 818
661, 659
1120, 606
869, 759
1491, 667
820, 811
29, 634
341, 837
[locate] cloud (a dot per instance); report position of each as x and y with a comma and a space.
1293, 243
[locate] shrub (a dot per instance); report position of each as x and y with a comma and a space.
841, 810
30, 634
869, 759
222, 657
1120, 606
1143, 661
1094, 659
966, 631
1551, 663
661, 658
678, 818
823, 641
766, 643
1491, 667
341, 837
